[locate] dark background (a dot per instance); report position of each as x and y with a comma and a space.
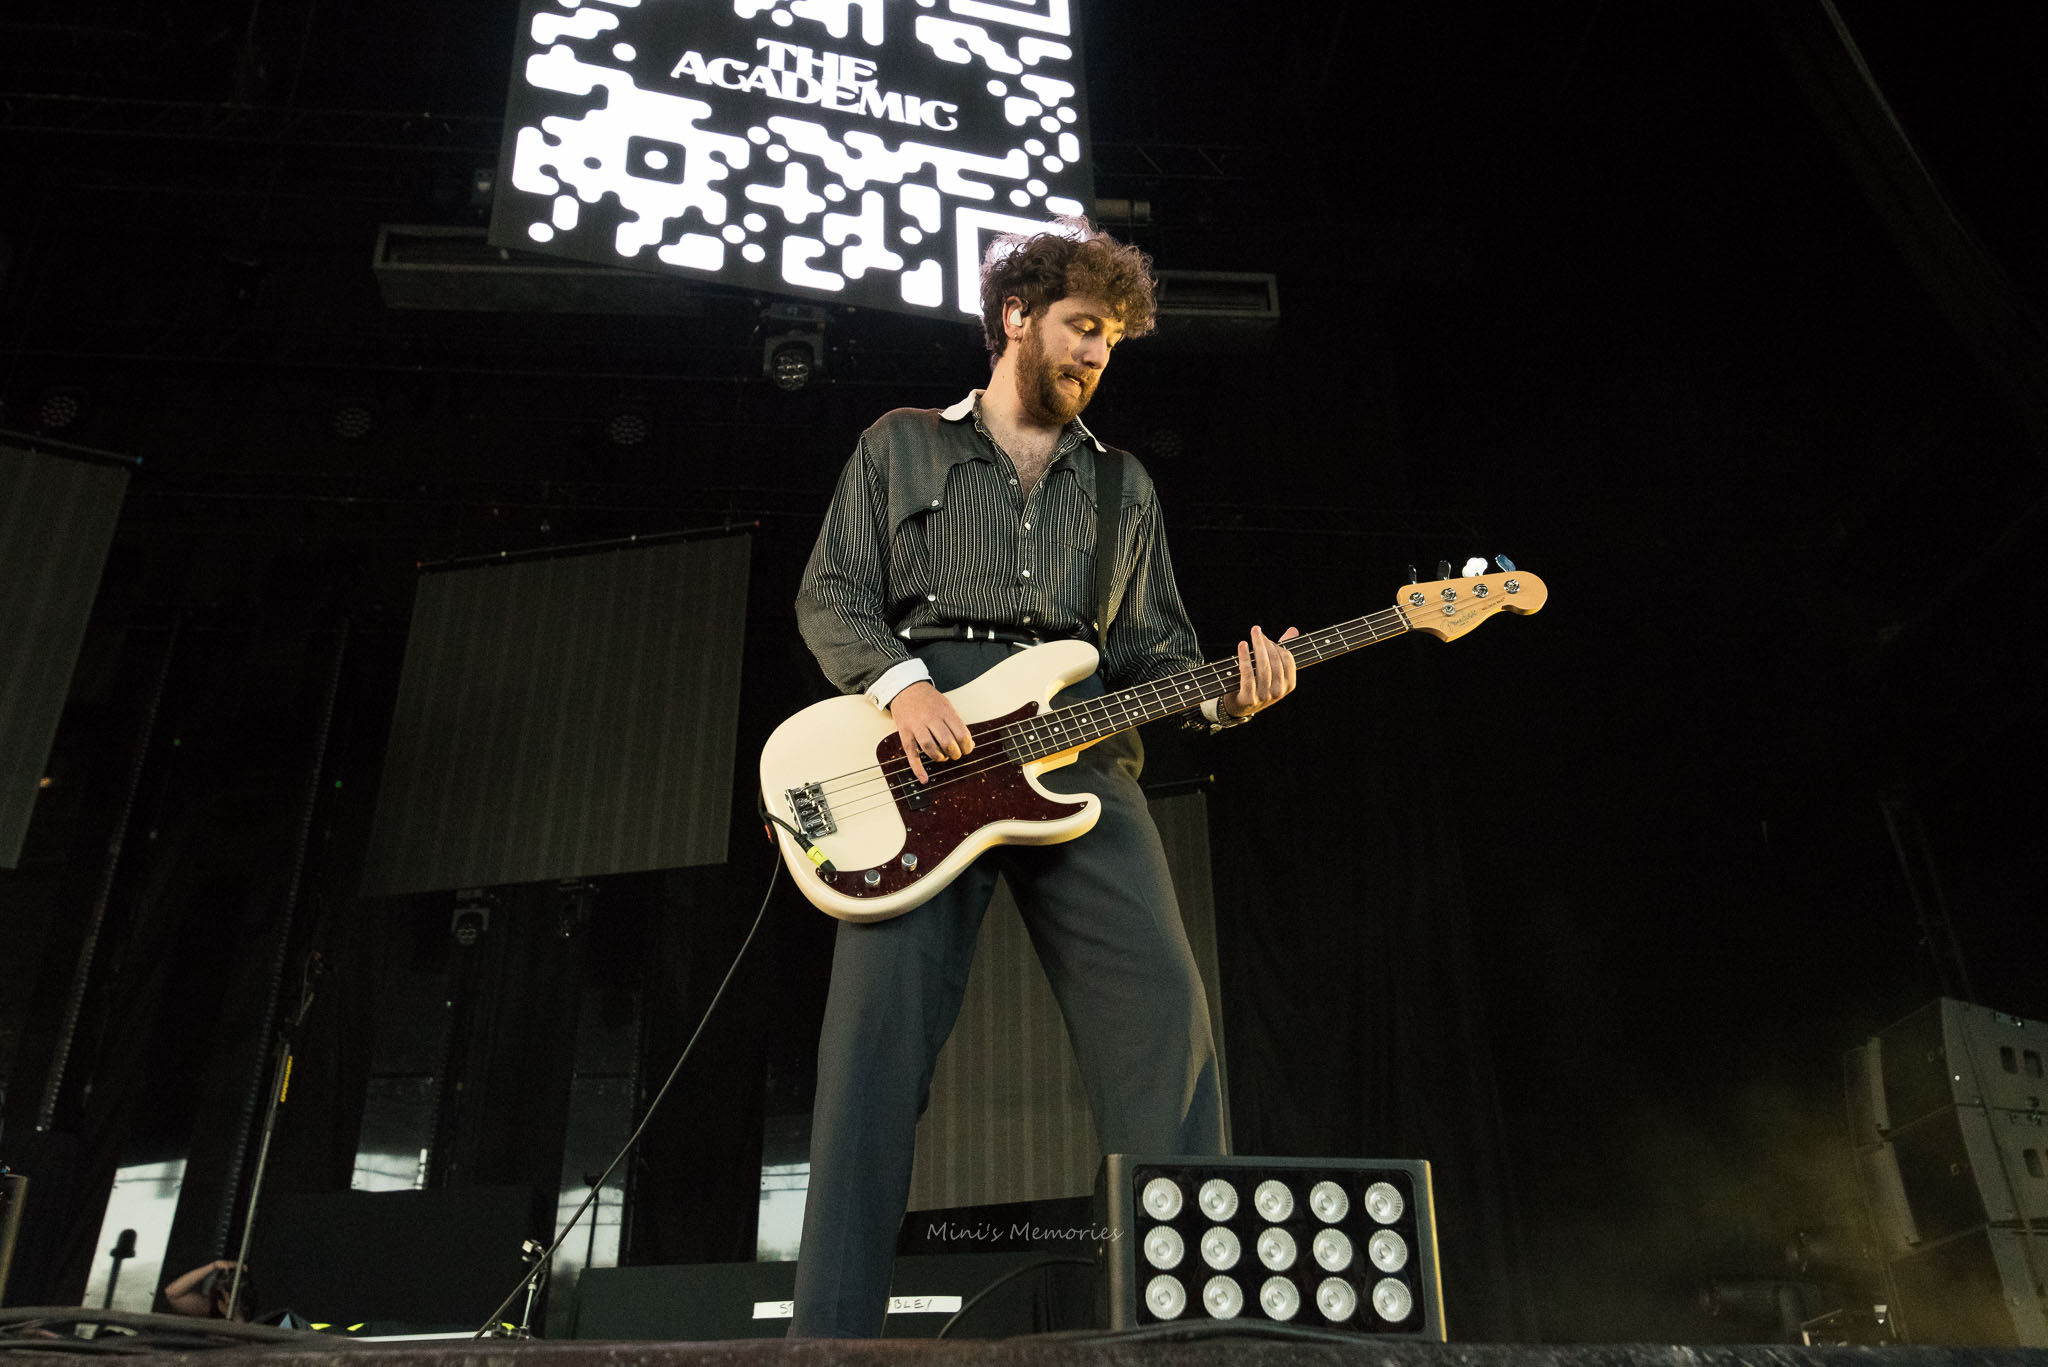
1585, 907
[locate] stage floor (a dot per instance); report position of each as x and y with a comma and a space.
170, 1338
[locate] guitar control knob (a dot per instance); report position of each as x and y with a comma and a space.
873, 878
909, 860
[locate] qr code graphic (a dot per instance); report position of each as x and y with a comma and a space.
862, 149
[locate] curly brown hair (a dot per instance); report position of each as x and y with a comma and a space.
1076, 258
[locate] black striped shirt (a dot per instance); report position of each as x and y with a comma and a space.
930, 526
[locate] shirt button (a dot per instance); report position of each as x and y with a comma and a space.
1027, 574
1027, 619
935, 503
1027, 526
931, 598
1013, 479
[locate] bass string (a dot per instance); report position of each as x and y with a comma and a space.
1114, 712
1098, 709
1110, 710
1094, 711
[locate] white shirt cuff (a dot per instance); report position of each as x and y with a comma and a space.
1213, 713
895, 679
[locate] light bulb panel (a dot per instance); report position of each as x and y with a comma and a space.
1374, 1219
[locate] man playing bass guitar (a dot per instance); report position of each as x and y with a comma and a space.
953, 538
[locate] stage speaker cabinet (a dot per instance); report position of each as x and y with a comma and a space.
1982, 1288
421, 1260
1333, 1244
1953, 1053
1946, 1111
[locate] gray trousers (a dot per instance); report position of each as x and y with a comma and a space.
1101, 913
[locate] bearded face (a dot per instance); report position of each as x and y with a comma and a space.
1052, 383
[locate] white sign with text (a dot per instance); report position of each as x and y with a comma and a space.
898, 1305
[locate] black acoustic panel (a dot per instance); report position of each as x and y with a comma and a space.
713, 1301
423, 1259
564, 718
56, 519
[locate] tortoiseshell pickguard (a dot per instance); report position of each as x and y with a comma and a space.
966, 794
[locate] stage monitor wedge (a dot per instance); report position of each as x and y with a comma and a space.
862, 152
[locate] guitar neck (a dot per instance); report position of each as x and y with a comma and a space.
1080, 723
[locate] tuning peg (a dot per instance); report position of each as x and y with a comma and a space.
1507, 565
1412, 575
1443, 569
1474, 567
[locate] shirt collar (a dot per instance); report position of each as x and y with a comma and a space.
965, 409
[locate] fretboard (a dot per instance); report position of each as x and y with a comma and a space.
1079, 723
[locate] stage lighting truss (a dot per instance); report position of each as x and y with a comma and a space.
1329, 1243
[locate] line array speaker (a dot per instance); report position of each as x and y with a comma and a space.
1946, 1112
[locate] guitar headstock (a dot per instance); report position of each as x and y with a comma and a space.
1447, 607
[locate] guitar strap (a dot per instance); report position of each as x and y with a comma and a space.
1109, 498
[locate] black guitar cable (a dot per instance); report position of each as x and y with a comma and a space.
547, 1259
1063, 1260
816, 855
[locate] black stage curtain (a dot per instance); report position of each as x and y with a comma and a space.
1354, 999
1932, 234
167, 1053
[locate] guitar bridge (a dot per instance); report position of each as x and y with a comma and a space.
813, 813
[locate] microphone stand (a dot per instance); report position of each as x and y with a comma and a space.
535, 1255
280, 1084
123, 1249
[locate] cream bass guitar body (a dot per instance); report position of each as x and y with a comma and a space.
866, 841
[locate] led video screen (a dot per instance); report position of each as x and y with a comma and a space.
863, 151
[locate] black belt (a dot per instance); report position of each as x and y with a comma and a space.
967, 631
